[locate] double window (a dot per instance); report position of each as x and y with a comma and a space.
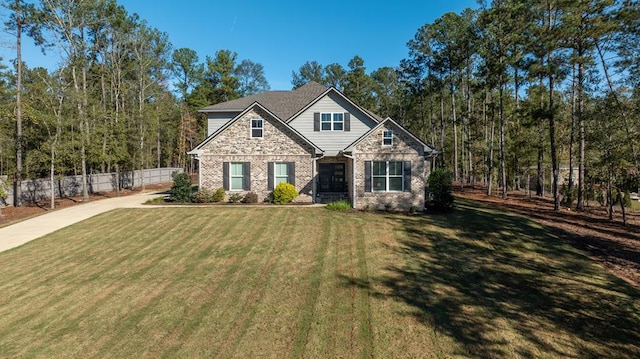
257, 128
332, 121
387, 176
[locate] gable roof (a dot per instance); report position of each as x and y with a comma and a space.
196, 150
368, 113
428, 150
283, 104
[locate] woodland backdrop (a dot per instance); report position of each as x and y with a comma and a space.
510, 93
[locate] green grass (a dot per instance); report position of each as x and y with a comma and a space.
306, 282
340, 206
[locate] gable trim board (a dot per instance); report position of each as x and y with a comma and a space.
286, 142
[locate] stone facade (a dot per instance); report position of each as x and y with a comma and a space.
278, 144
404, 148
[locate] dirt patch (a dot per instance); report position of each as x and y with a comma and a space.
610, 242
15, 214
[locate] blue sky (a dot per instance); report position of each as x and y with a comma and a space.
282, 35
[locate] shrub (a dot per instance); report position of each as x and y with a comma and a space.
235, 197
218, 195
181, 188
341, 206
284, 193
440, 190
202, 196
250, 197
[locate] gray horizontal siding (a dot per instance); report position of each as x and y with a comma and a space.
216, 120
332, 141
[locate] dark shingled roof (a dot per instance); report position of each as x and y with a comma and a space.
283, 104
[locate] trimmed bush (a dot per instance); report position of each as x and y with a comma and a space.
441, 190
202, 196
235, 197
250, 197
181, 188
218, 195
284, 193
340, 206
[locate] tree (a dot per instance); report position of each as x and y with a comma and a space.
358, 86
334, 75
22, 18
309, 71
251, 78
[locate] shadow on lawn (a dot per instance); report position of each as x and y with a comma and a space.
503, 286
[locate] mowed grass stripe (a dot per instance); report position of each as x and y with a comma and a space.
221, 293
308, 309
169, 308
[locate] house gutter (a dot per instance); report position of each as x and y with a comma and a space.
353, 178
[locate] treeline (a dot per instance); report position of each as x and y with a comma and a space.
516, 93
518, 89
112, 104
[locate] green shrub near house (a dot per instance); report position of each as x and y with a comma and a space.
181, 189
284, 193
441, 190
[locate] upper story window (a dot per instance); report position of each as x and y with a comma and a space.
387, 138
257, 128
332, 121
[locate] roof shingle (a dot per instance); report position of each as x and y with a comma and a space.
283, 104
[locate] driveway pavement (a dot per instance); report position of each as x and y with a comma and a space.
22, 232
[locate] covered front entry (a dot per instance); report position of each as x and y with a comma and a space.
332, 182
332, 177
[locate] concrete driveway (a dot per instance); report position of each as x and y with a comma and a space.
22, 232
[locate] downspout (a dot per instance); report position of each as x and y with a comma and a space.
353, 179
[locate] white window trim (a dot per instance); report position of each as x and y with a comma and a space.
275, 173
251, 127
332, 121
232, 176
387, 176
387, 138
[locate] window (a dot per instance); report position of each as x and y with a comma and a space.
388, 176
236, 176
257, 128
332, 121
387, 138
280, 170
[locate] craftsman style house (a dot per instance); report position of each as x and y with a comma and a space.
317, 139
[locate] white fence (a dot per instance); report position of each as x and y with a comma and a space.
40, 189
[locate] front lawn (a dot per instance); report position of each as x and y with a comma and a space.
309, 282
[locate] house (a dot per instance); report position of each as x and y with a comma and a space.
317, 139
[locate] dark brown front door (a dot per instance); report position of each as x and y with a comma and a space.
332, 177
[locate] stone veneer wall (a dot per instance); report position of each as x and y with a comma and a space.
278, 144
403, 149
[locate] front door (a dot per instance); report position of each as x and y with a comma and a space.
332, 177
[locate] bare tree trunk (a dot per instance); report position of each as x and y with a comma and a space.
503, 172
17, 201
456, 174
491, 140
